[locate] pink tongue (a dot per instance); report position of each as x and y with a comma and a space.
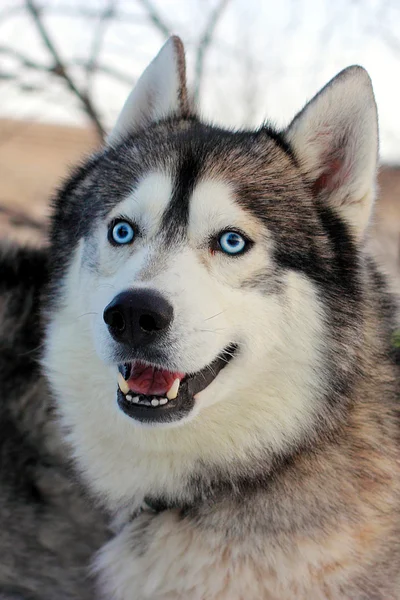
150, 380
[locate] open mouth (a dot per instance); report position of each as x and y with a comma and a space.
153, 395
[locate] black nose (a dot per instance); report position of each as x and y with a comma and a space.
136, 317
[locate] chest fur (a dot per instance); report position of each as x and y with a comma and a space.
166, 556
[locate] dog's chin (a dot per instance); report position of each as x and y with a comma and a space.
159, 409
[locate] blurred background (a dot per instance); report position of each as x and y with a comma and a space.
66, 67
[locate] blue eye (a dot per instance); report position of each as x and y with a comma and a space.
232, 242
122, 233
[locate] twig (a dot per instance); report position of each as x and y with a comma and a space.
204, 44
30, 64
24, 60
98, 39
60, 69
155, 17
91, 14
112, 72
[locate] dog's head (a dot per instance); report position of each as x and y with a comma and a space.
209, 278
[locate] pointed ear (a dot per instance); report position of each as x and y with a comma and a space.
335, 140
159, 93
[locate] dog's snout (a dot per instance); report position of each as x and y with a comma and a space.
136, 317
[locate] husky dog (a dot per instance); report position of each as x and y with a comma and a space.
218, 345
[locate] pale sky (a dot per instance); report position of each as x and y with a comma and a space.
267, 58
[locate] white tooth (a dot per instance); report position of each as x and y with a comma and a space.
146, 402
163, 401
154, 402
123, 386
128, 397
136, 400
173, 390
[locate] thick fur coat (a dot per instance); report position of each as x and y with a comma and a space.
48, 529
236, 259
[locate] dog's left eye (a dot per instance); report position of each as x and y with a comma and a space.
232, 242
121, 233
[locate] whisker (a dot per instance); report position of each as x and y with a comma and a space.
216, 315
33, 350
100, 285
209, 368
225, 360
219, 330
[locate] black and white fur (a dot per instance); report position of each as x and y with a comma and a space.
274, 484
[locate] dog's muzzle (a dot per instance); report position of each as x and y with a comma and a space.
150, 394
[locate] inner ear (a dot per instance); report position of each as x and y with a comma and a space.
335, 141
335, 172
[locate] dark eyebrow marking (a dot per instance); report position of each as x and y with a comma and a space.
176, 216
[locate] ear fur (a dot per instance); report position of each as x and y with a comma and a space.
159, 93
335, 139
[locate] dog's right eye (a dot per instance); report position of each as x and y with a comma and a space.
121, 232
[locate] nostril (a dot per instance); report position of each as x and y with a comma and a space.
137, 316
148, 323
114, 319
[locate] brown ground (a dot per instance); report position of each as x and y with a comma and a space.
34, 157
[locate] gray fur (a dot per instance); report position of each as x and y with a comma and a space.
286, 482
48, 527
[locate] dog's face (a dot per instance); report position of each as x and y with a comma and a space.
178, 268
197, 271
181, 281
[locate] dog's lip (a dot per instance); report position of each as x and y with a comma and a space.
173, 410
148, 379
212, 369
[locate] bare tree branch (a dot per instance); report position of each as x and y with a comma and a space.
155, 17
111, 71
204, 44
24, 60
30, 64
60, 69
98, 40
85, 12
